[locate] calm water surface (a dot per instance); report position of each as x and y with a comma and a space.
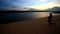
11, 17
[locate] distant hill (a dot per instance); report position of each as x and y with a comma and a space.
54, 9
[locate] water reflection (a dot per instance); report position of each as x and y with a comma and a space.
41, 14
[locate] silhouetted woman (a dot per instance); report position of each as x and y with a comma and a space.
50, 19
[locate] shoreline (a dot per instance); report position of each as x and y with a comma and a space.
37, 26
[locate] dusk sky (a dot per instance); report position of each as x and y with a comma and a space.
22, 4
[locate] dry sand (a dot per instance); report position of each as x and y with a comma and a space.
37, 26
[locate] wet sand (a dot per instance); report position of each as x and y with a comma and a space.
36, 26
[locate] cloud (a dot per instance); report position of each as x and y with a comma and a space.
23, 8
44, 6
10, 8
56, 1
36, 4
7, 8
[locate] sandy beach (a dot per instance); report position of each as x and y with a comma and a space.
36, 26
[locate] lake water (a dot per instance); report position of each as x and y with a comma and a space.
11, 17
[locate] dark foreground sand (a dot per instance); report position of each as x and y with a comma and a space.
37, 26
